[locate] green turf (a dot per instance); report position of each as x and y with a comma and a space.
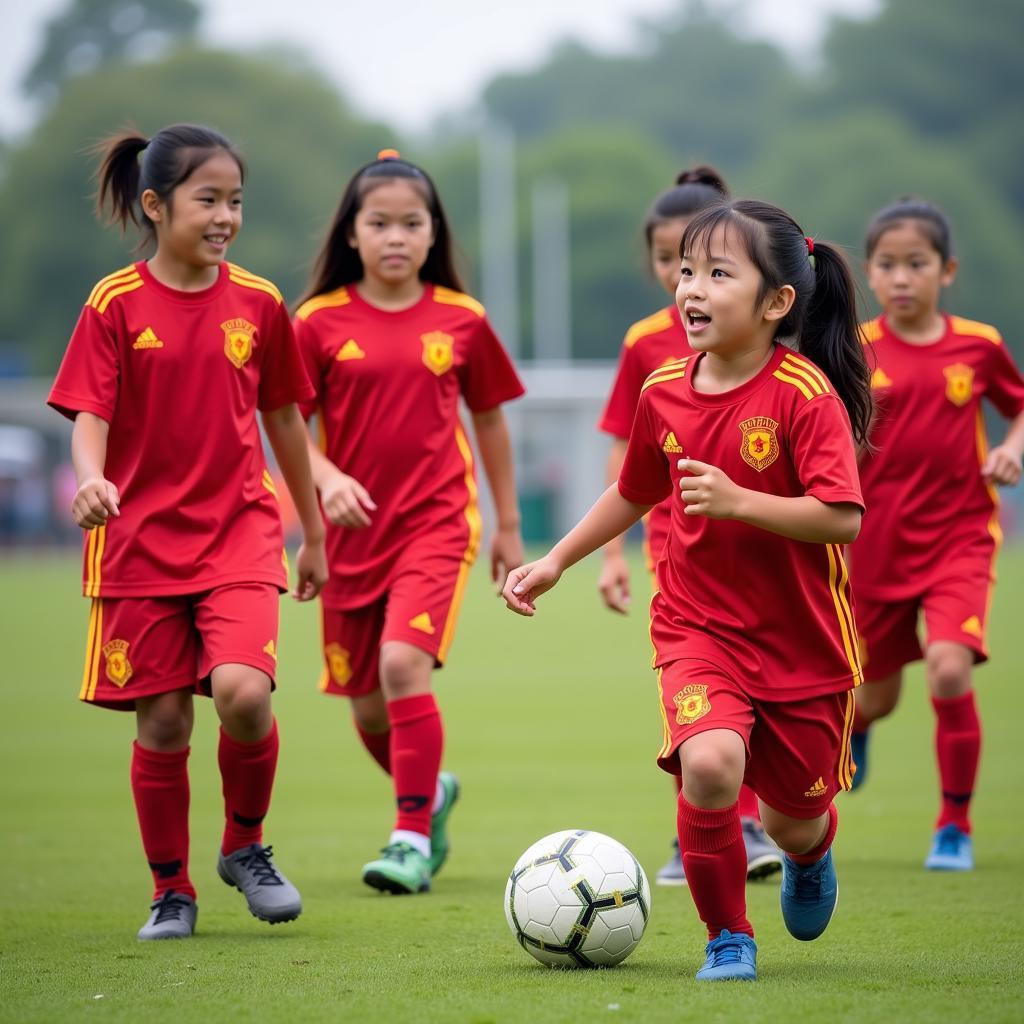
552, 724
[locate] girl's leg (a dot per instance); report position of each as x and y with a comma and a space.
159, 779
370, 717
873, 700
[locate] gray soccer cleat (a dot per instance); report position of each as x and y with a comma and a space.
763, 856
672, 872
271, 897
173, 917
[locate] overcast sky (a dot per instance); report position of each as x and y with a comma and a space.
407, 61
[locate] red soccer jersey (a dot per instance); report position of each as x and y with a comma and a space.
387, 390
179, 377
777, 612
928, 500
649, 343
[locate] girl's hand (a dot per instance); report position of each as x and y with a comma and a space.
613, 583
525, 584
345, 502
506, 552
96, 500
310, 570
708, 492
1002, 466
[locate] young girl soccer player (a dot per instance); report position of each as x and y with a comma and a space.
184, 557
649, 344
752, 623
392, 344
930, 545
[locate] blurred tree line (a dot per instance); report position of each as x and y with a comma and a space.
922, 98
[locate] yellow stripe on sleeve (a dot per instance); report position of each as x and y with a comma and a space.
798, 371
100, 305
118, 277
798, 384
809, 368
339, 297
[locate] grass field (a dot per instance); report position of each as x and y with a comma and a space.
552, 724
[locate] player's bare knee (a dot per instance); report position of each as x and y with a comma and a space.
243, 699
371, 718
949, 676
711, 775
793, 835
404, 670
164, 723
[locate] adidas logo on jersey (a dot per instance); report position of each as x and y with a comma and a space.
350, 350
671, 445
422, 623
148, 339
818, 788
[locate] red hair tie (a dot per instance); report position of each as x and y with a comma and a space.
389, 154
810, 244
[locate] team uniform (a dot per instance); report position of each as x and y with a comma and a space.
649, 344
387, 389
930, 544
189, 575
752, 631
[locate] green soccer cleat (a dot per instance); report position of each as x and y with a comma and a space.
439, 846
401, 870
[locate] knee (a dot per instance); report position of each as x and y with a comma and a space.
712, 774
243, 700
404, 670
792, 834
165, 725
949, 674
372, 719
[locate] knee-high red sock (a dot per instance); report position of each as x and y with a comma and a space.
378, 746
958, 747
161, 791
247, 778
417, 740
748, 804
715, 862
813, 856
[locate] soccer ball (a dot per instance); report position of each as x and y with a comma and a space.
578, 899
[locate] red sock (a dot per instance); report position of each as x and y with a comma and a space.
247, 778
378, 745
417, 739
748, 804
715, 862
813, 856
958, 747
160, 788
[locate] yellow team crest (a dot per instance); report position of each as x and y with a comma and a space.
438, 351
238, 337
760, 447
959, 383
338, 664
691, 703
119, 668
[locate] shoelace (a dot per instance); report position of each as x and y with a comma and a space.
725, 951
169, 907
949, 842
807, 884
257, 860
397, 851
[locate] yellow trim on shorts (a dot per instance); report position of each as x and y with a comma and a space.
846, 768
448, 633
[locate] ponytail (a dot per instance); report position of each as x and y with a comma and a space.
118, 178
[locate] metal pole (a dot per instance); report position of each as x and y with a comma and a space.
552, 305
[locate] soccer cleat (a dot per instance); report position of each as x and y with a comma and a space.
439, 822
763, 856
401, 870
672, 872
952, 850
271, 897
173, 917
729, 958
859, 756
809, 896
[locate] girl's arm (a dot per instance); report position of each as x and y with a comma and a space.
287, 435
96, 499
1003, 465
496, 454
610, 515
709, 492
345, 500
613, 583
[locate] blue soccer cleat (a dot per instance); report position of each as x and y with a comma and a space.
952, 850
729, 958
859, 755
809, 896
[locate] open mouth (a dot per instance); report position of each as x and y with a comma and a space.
695, 320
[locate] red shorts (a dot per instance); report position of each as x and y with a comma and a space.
420, 608
143, 646
955, 609
798, 752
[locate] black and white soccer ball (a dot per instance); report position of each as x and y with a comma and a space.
578, 899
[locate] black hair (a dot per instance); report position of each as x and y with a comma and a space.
934, 225
695, 188
823, 319
168, 159
338, 263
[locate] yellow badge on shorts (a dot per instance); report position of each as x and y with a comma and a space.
959, 383
119, 668
338, 664
691, 703
438, 351
238, 336
760, 447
